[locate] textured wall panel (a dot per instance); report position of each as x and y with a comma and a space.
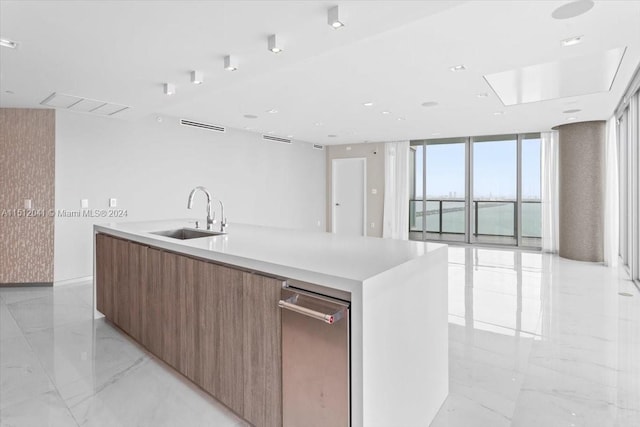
581, 170
27, 163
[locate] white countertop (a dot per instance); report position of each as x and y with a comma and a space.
317, 257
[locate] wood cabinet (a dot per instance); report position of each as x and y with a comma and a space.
217, 325
105, 274
262, 356
151, 303
220, 330
189, 284
121, 271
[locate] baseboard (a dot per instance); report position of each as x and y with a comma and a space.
73, 281
26, 284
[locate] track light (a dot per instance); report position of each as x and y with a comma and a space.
197, 77
273, 45
333, 17
230, 63
169, 89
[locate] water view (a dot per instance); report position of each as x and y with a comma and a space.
493, 218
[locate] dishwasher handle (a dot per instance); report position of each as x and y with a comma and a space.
291, 304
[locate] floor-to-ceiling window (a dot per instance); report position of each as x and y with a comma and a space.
628, 135
477, 190
495, 188
440, 170
531, 195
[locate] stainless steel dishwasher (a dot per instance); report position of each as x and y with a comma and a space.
315, 360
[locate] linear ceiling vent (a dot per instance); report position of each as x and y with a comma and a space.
318, 146
207, 126
83, 105
276, 139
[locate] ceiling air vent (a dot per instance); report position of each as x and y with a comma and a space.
276, 139
216, 128
318, 146
83, 105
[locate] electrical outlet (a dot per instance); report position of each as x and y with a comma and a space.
84, 203
374, 191
113, 203
27, 203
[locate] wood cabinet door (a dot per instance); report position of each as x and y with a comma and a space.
262, 350
121, 315
188, 303
105, 275
220, 333
151, 303
137, 276
170, 308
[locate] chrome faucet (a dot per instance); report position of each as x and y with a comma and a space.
223, 219
210, 217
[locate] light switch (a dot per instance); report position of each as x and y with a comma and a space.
27, 203
84, 203
348, 148
374, 191
113, 203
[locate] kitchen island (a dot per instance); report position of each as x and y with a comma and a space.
398, 312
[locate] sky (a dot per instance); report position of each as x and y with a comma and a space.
494, 165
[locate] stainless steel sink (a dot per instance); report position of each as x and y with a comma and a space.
187, 233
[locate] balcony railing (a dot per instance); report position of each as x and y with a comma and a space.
491, 218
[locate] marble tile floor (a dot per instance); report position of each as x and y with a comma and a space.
534, 340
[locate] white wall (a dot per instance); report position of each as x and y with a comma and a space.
150, 168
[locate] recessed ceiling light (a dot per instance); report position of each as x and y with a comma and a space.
429, 104
197, 78
483, 95
159, 119
250, 116
8, 43
460, 67
332, 136
272, 111
368, 104
333, 18
574, 110
169, 89
573, 9
498, 113
571, 41
273, 45
230, 63
386, 112
571, 118
400, 119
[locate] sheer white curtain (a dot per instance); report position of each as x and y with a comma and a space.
549, 172
611, 207
396, 190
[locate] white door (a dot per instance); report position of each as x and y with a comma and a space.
348, 196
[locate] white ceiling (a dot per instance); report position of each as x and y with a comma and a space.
396, 54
